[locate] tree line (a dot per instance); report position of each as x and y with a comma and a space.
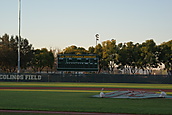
31, 60
129, 57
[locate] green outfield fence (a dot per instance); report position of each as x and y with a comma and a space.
97, 78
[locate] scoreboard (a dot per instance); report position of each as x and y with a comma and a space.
71, 62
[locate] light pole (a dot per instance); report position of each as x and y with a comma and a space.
97, 38
19, 19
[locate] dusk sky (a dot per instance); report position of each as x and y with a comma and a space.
62, 23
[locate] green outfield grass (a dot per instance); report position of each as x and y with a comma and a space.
105, 85
81, 101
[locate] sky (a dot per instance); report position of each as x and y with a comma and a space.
61, 23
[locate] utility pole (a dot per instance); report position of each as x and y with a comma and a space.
19, 37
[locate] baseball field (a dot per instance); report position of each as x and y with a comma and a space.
47, 98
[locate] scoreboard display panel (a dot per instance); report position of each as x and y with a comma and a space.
70, 62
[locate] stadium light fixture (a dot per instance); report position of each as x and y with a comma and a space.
97, 38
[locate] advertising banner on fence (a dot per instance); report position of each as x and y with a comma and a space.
23, 77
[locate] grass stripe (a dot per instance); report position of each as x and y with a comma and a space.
105, 85
42, 90
50, 90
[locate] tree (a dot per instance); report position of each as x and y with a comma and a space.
9, 53
165, 55
42, 58
50, 59
74, 50
132, 56
91, 50
26, 53
149, 54
99, 52
109, 48
122, 57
